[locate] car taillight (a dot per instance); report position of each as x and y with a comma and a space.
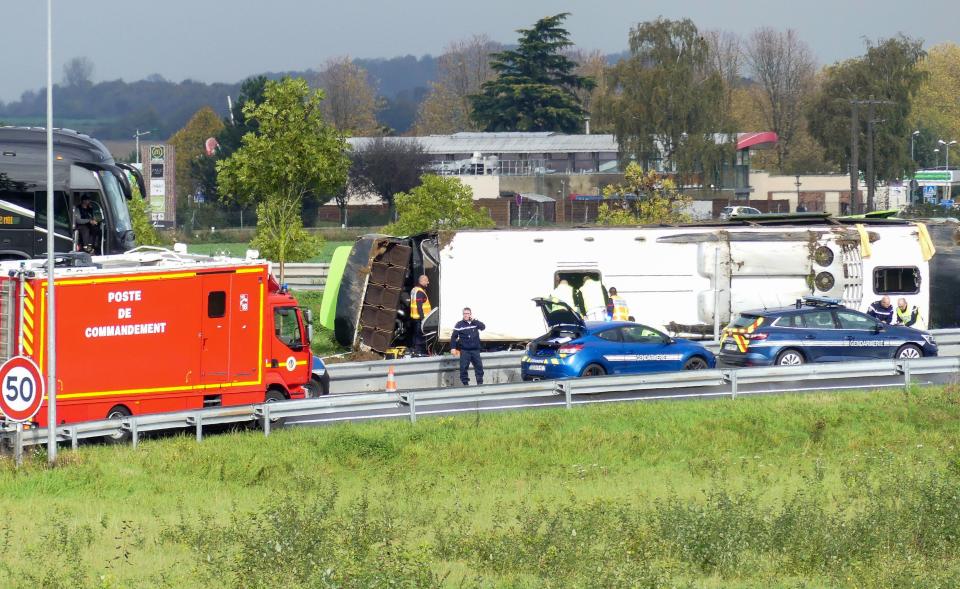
753, 336
570, 349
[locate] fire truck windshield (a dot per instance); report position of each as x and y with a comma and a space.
115, 200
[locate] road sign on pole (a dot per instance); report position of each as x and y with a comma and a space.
21, 389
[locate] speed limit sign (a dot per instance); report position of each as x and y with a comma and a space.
21, 389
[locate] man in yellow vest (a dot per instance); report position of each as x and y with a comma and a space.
618, 309
564, 293
594, 300
419, 309
907, 315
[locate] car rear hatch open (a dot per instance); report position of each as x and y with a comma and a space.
564, 325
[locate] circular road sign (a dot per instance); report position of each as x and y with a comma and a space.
21, 389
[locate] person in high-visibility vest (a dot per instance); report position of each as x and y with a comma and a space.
419, 309
617, 309
564, 293
594, 300
907, 315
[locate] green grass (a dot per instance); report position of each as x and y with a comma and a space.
839, 490
239, 249
323, 343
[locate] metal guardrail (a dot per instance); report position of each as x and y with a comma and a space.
705, 383
305, 276
499, 367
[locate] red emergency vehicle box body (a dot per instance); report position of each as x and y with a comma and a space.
167, 340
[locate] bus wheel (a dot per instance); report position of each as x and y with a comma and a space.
118, 412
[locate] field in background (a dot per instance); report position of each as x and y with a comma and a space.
237, 249
839, 490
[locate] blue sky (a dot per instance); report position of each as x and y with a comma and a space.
226, 41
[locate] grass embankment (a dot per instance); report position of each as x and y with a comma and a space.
843, 490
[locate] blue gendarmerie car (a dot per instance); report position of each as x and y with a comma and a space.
574, 347
817, 329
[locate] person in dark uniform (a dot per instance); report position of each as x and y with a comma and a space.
88, 226
465, 343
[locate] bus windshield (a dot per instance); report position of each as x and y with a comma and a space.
115, 200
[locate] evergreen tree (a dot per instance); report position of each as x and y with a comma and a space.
535, 86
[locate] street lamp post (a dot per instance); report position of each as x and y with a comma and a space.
912, 137
946, 147
137, 136
936, 157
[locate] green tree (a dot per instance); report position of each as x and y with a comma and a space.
440, 202
936, 106
295, 154
644, 198
888, 71
666, 100
535, 86
189, 145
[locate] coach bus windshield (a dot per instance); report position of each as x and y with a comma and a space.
116, 201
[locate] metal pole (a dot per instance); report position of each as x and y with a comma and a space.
716, 294
854, 158
51, 301
18, 445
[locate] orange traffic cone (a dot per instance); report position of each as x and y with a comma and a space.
391, 381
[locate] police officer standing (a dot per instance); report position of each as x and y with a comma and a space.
465, 343
882, 310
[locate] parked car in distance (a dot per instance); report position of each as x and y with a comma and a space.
574, 347
738, 211
817, 329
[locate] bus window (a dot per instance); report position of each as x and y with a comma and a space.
16, 210
61, 211
896, 280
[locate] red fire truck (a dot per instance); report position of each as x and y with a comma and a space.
152, 331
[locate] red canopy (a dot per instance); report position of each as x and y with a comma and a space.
761, 140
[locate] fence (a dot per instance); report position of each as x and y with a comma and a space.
493, 397
303, 276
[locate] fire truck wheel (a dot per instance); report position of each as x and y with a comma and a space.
272, 396
118, 412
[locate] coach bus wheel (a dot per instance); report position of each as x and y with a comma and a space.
909, 352
118, 412
593, 370
695, 363
790, 358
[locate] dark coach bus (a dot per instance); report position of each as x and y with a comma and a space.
82, 168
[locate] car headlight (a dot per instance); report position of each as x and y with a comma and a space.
929, 339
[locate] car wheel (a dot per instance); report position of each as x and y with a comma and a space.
695, 363
790, 358
909, 352
593, 370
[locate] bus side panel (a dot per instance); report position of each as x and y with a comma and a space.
130, 342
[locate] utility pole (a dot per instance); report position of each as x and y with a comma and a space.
854, 158
870, 175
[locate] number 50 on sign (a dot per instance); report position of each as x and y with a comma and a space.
21, 389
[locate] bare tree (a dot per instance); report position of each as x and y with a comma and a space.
462, 69
388, 165
350, 104
784, 67
726, 60
593, 65
78, 72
